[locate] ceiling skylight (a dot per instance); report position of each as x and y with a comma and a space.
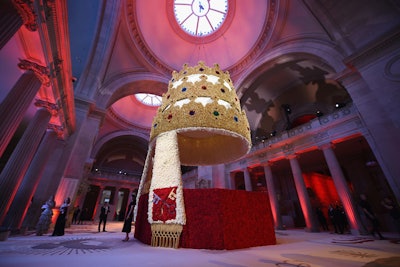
149, 99
200, 17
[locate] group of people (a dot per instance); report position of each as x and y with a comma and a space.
45, 218
336, 215
127, 226
59, 228
79, 216
338, 219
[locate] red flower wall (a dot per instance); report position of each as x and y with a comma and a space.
218, 219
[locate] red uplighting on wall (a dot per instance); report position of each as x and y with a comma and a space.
323, 188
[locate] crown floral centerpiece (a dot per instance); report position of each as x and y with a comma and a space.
200, 122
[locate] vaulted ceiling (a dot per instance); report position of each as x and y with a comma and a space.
277, 52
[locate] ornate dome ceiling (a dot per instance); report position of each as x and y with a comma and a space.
155, 32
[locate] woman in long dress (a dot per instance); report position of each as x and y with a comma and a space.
45, 217
61, 219
127, 227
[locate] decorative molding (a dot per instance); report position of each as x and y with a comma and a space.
374, 51
26, 10
326, 146
320, 136
292, 156
41, 72
342, 124
391, 72
288, 149
59, 130
51, 107
139, 40
127, 123
57, 65
262, 42
136, 35
262, 155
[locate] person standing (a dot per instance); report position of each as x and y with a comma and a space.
394, 211
332, 217
340, 218
45, 217
321, 218
105, 209
61, 219
76, 214
127, 227
366, 207
82, 215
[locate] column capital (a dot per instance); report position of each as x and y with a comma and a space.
41, 72
51, 107
59, 130
326, 146
26, 10
267, 163
292, 156
288, 149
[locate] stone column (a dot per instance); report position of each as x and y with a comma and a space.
356, 226
218, 176
47, 186
10, 22
114, 206
18, 163
231, 180
247, 180
15, 105
26, 190
305, 203
96, 211
273, 199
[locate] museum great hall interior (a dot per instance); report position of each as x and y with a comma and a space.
81, 82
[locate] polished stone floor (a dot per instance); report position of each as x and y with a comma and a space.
82, 245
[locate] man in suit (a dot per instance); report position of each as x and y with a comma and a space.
105, 209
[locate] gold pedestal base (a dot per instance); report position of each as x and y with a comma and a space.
165, 235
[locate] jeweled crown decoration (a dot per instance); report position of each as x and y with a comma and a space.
201, 104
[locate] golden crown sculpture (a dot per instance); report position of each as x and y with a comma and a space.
199, 122
202, 106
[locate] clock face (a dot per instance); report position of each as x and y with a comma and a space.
200, 17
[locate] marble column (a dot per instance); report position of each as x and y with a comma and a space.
231, 180
273, 199
305, 203
96, 211
15, 105
218, 176
47, 186
22, 200
247, 180
10, 22
356, 226
114, 205
18, 163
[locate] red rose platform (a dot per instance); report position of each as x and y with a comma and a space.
218, 219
